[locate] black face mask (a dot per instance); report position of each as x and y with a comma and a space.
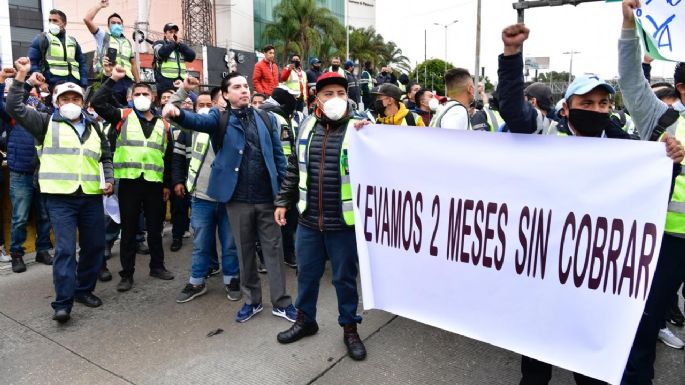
335, 67
588, 123
297, 63
384, 73
379, 107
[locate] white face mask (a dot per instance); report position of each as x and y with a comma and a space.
44, 94
335, 108
70, 111
203, 111
54, 28
433, 104
142, 103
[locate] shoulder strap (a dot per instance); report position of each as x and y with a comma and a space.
266, 118
124, 115
218, 137
667, 119
411, 119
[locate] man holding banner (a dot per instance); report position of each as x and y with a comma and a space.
587, 107
653, 119
318, 175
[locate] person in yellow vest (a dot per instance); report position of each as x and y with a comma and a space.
296, 80
587, 106
114, 39
654, 119
335, 66
142, 167
391, 110
75, 170
58, 56
171, 57
318, 180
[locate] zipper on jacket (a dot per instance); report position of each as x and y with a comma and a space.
321, 170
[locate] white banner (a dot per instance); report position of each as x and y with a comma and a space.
663, 26
542, 245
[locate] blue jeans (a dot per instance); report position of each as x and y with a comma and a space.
208, 218
313, 248
24, 197
69, 213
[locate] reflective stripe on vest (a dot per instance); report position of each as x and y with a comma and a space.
137, 155
124, 52
303, 141
675, 218
67, 164
61, 61
494, 119
286, 135
437, 118
174, 67
197, 158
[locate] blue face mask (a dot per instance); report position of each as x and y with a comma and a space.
116, 30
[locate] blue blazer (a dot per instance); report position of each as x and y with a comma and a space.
223, 177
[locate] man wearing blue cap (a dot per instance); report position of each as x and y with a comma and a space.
586, 112
352, 83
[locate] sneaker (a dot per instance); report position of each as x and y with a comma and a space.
248, 311
290, 261
289, 312
669, 339
675, 316
187, 234
190, 292
3, 255
233, 292
213, 271
261, 269
142, 248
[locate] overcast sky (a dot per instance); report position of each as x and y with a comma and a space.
591, 28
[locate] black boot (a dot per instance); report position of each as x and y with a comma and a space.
18, 265
298, 330
355, 346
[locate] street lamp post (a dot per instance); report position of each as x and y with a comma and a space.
570, 66
445, 26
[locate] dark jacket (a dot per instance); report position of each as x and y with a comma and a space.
103, 103
353, 91
164, 48
224, 177
37, 58
21, 146
312, 77
324, 209
36, 123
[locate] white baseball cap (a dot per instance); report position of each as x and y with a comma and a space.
68, 87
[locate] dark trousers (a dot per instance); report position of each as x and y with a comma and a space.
67, 214
313, 248
540, 373
667, 276
288, 233
134, 194
250, 222
179, 215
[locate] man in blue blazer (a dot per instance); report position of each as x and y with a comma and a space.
246, 174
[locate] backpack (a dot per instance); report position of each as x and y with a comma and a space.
218, 136
666, 120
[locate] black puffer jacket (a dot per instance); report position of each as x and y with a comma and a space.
324, 209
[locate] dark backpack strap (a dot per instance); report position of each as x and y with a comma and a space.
411, 120
266, 118
666, 120
218, 136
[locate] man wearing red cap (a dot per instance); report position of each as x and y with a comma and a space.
318, 180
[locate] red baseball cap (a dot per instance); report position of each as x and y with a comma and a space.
329, 78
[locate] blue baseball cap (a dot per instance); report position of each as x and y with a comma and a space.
349, 64
586, 83
314, 60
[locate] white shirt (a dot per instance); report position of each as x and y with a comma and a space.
456, 117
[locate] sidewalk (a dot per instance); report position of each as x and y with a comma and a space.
144, 337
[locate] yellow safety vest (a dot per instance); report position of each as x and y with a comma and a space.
174, 67
675, 218
66, 164
286, 135
137, 155
197, 158
62, 61
295, 81
303, 141
124, 51
494, 119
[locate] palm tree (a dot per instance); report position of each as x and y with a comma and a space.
368, 45
302, 26
392, 54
